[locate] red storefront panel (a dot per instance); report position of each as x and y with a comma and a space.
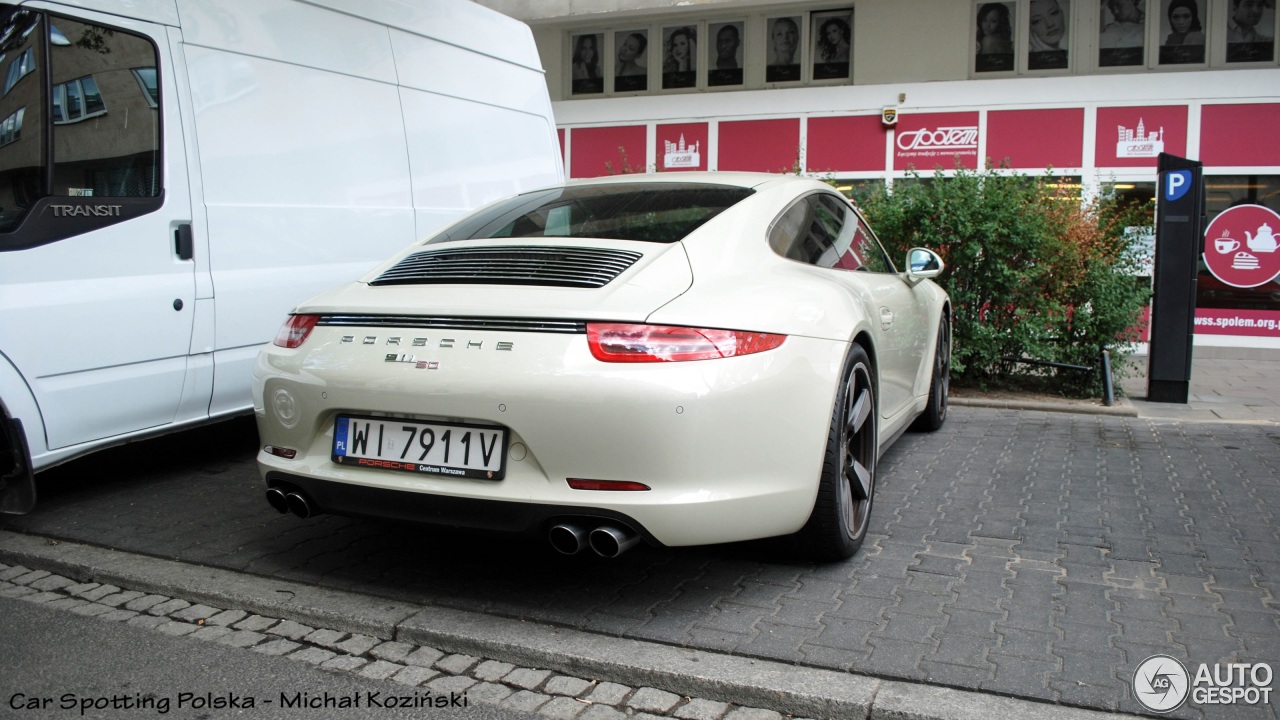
846, 144
1036, 139
759, 145
1135, 136
607, 151
932, 140
1240, 135
682, 147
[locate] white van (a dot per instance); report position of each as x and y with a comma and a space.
176, 175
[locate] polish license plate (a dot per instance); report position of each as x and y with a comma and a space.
455, 449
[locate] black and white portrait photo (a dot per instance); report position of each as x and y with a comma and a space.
726, 59
679, 57
1182, 32
631, 69
832, 43
1048, 24
994, 47
783, 49
1251, 31
587, 64
1122, 33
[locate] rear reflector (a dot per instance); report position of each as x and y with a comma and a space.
620, 342
286, 453
580, 484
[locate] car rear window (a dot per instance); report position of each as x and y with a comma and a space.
652, 212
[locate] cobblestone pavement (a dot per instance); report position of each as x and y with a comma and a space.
1030, 554
450, 677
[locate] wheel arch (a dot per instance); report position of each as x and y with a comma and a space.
17, 401
17, 481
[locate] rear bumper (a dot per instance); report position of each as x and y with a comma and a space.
474, 514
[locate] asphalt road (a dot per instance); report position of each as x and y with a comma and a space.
54, 664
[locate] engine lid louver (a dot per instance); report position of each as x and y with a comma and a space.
577, 267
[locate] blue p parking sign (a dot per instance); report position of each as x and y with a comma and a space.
1176, 184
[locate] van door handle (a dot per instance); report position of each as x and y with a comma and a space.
183, 243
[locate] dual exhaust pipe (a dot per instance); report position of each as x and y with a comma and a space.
606, 540
286, 501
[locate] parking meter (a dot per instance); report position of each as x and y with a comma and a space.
1180, 221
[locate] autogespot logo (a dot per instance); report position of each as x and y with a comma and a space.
1161, 683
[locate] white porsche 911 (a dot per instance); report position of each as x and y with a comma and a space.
683, 359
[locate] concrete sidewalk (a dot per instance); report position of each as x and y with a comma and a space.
1223, 389
1230, 389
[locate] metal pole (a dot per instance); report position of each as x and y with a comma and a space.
1109, 394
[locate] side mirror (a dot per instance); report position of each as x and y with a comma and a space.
923, 264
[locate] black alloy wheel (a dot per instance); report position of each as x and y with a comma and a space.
935, 412
842, 510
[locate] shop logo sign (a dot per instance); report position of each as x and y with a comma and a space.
1241, 247
939, 141
680, 155
1139, 143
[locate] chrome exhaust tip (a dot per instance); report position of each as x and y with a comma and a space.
568, 538
298, 505
277, 499
610, 542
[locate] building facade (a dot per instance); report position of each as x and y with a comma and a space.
1091, 91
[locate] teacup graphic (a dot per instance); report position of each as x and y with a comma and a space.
1225, 244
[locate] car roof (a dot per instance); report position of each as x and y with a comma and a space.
737, 179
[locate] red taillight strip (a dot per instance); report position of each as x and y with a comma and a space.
295, 330
631, 343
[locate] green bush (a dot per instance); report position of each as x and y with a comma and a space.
1032, 272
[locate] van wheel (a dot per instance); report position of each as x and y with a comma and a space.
838, 524
935, 412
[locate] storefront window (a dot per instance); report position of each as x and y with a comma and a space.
1228, 191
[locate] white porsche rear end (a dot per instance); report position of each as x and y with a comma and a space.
525, 382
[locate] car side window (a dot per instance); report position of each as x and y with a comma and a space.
866, 247
823, 230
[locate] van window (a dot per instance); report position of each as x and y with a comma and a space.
21, 159
86, 126
107, 143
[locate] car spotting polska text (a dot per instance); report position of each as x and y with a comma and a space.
83, 704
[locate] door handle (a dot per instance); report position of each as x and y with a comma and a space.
183, 242
886, 317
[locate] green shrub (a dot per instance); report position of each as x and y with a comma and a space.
1032, 272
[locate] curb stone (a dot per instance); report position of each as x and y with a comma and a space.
744, 684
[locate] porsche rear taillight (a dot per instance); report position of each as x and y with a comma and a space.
295, 330
632, 343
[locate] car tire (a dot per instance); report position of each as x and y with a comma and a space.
935, 412
842, 510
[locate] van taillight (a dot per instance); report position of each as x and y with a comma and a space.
295, 330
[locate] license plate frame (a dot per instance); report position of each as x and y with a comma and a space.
381, 444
